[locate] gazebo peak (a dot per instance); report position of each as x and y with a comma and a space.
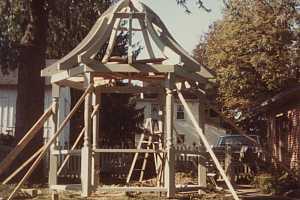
140, 19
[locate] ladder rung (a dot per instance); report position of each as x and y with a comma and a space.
139, 170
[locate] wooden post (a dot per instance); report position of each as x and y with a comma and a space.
51, 141
201, 165
170, 161
86, 154
228, 163
207, 145
95, 156
160, 156
53, 159
130, 48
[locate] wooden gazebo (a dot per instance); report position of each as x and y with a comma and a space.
165, 70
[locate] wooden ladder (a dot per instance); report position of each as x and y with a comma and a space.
150, 140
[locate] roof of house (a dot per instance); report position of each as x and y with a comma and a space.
284, 99
289, 96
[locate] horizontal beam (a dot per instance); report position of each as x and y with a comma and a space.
191, 152
66, 152
50, 70
132, 189
127, 151
91, 65
186, 188
137, 15
129, 90
72, 84
192, 76
76, 187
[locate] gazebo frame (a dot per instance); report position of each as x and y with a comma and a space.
81, 70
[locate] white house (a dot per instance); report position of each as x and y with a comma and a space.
8, 97
185, 132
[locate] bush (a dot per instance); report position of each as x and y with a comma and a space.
265, 183
6, 140
276, 184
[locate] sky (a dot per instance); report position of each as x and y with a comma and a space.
187, 29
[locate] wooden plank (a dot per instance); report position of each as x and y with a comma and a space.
95, 38
207, 145
194, 153
66, 152
146, 39
99, 42
131, 189
95, 116
170, 160
122, 60
136, 15
70, 59
55, 119
72, 187
112, 41
50, 70
95, 66
73, 148
135, 159
27, 162
181, 71
71, 84
127, 151
190, 63
62, 75
129, 89
51, 140
7, 161
172, 56
130, 37
86, 153
100, 27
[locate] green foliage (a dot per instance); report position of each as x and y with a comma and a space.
69, 22
254, 50
12, 26
121, 120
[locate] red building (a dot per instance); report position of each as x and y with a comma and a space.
283, 126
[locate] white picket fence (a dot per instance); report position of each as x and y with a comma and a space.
116, 165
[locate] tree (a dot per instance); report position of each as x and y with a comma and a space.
23, 32
23, 45
254, 50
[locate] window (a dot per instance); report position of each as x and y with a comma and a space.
180, 112
180, 139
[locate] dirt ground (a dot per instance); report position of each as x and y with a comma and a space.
245, 192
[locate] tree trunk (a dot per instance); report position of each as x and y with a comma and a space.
30, 99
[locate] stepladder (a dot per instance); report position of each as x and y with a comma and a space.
151, 139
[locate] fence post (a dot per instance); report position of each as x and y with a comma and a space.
228, 162
201, 172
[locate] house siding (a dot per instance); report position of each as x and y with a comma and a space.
8, 98
212, 125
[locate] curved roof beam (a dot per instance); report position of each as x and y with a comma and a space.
166, 37
101, 26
